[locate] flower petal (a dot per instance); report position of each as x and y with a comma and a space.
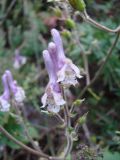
19, 96
58, 99
4, 105
76, 70
54, 109
61, 74
44, 100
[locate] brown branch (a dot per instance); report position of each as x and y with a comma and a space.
102, 66
28, 149
88, 19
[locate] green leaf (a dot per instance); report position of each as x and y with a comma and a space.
111, 156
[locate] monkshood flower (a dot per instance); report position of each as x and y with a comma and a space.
67, 72
17, 91
5, 97
53, 54
19, 60
52, 98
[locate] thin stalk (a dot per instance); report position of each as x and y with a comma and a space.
60, 119
88, 19
8, 10
68, 125
102, 66
28, 149
84, 57
87, 74
23, 123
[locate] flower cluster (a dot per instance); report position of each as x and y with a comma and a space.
19, 60
11, 88
61, 71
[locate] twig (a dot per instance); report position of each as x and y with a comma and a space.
88, 19
23, 123
68, 125
86, 67
28, 149
5, 157
102, 66
60, 119
8, 10
84, 56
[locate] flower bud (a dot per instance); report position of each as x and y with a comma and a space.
58, 12
70, 24
19, 96
66, 34
78, 102
17, 91
82, 119
78, 5
5, 97
19, 60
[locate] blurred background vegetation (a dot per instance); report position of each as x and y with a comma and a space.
26, 24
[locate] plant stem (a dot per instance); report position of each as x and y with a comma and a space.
87, 74
88, 19
7, 12
28, 149
84, 56
23, 123
8, 135
102, 66
60, 119
68, 125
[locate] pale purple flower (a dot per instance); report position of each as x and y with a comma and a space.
19, 60
17, 91
67, 72
52, 98
59, 48
5, 97
53, 54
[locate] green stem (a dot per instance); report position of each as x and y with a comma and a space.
68, 125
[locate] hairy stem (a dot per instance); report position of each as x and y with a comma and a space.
68, 125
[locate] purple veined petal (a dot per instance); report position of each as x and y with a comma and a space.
16, 65
49, 66
18, 92
54, 109
4, 104
53, 53
17, 55
19, 96
6, 93
52, 99
44, 100
67, 75
19, 60
58, 99
58, 42
76, 70
61, 74
12, 85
